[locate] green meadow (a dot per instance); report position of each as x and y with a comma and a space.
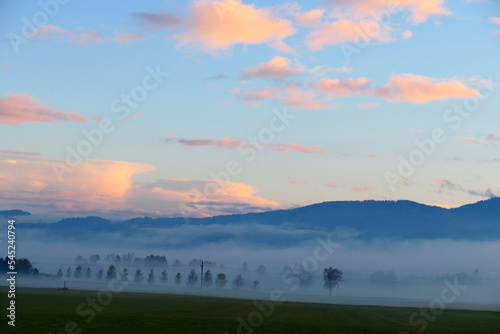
53, 311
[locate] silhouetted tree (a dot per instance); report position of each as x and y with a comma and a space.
192, 278
124, 274
298, 271
111, 273
255, 284
59, 273
78, 272
194, 263
207, 278
68, 272
164, 277
100, 274
261, 269
151, 276
94, 259
238, 282
24, 266
221, 280
36, 273
138, 276
332, 278
88, 273
178, 278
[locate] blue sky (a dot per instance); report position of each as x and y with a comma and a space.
360, 92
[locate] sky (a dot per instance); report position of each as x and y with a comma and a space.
200, 108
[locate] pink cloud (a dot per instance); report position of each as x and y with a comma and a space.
127, 37
81, 37
78, 36
96, 185
106, 187
420, 10
342, 31
495, 20
19, 153
362, 189
343, 87
228, 143
469, 140
322, 69
214, 25
420, 89
182, 197
278, 67
334, 185
287, 147
23, 108
291, 96
407, 34
254, 97
311, 18
296, 97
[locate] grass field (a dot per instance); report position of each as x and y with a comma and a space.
52, 311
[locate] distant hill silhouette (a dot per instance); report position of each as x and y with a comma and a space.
14, 213
371, 219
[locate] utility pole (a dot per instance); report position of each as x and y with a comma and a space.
201, 280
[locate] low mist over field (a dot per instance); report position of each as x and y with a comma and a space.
276, 250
